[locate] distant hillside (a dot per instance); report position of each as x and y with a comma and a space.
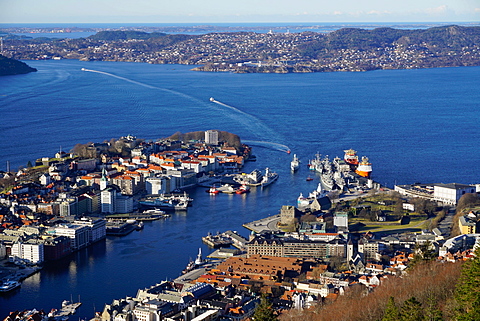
10, 66
437, 39
124, 35
347, 49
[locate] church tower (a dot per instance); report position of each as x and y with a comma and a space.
103, 180
349, 251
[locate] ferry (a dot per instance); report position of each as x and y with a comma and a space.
9, 286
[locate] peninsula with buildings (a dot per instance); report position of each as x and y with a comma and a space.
348, 237
346, 49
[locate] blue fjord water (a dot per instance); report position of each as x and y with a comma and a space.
414, 125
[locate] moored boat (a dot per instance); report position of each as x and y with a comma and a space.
243, 189
268, 178
213, 190
351, 157
9, 286
364, 168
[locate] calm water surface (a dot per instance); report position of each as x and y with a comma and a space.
414, 125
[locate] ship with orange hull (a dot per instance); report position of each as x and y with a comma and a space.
364, 168
351, 157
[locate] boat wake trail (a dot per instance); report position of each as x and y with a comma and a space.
145, 85
251, 123
274, 146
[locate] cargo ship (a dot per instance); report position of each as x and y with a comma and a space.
364, 168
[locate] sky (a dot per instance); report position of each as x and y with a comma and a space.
224, 11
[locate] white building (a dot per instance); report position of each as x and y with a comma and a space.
211, 137
98, 228
107, 200
31, 251
451, 193
340, 220
78, 234
157, 185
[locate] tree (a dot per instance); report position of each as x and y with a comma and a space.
391, 310
467, 291
411, 310
423, 253
467, 200
264, 311
431, 311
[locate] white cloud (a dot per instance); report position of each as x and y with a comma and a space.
438, 10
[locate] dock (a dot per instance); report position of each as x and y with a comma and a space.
217, 241
68, 308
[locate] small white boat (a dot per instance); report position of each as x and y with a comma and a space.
9, 286
295, 163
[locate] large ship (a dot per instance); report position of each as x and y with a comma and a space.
364, 167
351, 157
268, 178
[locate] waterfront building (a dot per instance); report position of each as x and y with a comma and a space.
31, 251
56, 247
444, 193
79, 234
451, 193
211, 137
97, 228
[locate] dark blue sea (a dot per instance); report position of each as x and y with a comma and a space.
414, 125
